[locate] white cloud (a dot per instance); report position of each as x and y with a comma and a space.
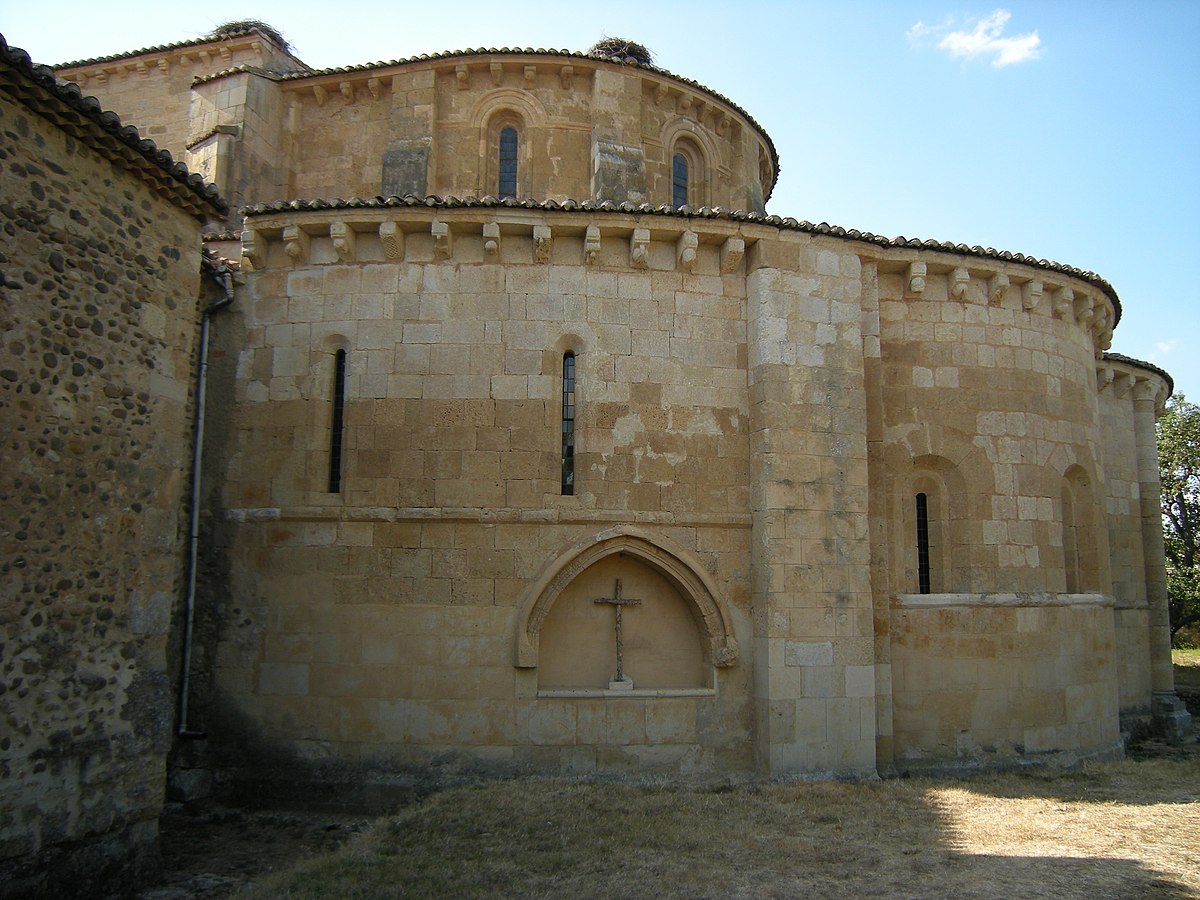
981, 39
1162, 348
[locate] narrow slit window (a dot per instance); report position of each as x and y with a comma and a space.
922, 544
508, 162
337, 422
568, 425
679, 180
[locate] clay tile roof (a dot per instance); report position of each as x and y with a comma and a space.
1142, 364
84, 119
529, 51
688, 212
160, 48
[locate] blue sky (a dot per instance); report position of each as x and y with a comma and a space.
1069, 131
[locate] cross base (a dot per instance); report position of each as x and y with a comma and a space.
621, 684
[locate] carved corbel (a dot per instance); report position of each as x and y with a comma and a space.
101, 78
442, 246
565, 75
375, 87
723, 125
542, 245
997, 287
685, 250
319, 93
916, 277
1122, 382
347, 90
732, 252
1085, 310
392, 239
960, 280
591, 245
1031, 294
1104, 378
344, 242
491, 241
295, 243
639, 248
1064, 302
497, 71
660, 93
226, 53
463, 75
140, 67
683, 107
163, 65
205, 57
252, 250
530, 73
185, 60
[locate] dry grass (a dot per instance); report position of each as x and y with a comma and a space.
1187, 667
1126, 830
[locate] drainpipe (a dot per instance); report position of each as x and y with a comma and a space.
189, 608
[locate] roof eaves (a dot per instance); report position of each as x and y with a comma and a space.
168, 48
687, 212
1142, 364
64, 103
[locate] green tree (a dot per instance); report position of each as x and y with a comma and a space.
1179, 470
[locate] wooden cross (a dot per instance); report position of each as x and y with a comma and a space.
618, 601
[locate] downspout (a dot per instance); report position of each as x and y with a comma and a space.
189, 607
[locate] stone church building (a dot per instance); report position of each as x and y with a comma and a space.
531, 440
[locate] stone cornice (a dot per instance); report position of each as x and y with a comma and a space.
174, 52
1124, 376
706, 218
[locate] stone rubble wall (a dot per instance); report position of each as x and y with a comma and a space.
97, 341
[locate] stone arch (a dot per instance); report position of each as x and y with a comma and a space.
491, 115
944, 489
1081, 532
682, 135
674, 563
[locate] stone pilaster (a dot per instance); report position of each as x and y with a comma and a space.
814, 673
1169, 713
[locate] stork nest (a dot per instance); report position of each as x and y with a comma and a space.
614, 46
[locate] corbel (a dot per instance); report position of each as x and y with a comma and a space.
442, 240
185, 60
916, 277
565, 76
491, 240
684, 105
82, 79
252, 250
347, 90
374, 86
530, 75
101, 78
1031, 294
639, 248
997, 287
1064, 302
163, 65
226, 53
1085, 310
295, 243
392, 238
732, 252
591, 245
319, 93
960, 280
542, 243
660, 92
141, 67
497, 70
685, 250
462, 74
1122, 382
1104, 378
344, 241
205, 57
723, 125
256, 45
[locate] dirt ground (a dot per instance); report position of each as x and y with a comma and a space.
214, 852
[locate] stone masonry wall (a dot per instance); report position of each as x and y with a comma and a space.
98, 316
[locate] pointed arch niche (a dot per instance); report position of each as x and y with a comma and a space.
672, 640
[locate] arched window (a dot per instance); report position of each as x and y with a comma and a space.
507, 167
568, 424
337, 422
923, 582
679, 180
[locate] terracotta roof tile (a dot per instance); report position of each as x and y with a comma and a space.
687, 212
1142, 364
64, 104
